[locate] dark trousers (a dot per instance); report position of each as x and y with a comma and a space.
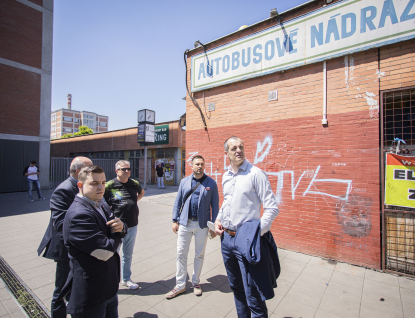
109, 309
58, 306
247, 298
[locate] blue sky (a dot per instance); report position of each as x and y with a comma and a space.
117, 57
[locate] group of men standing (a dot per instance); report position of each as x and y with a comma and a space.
84, 236
85, 233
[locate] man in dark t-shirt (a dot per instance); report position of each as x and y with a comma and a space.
122, 194
160, 176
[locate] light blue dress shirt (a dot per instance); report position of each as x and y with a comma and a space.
243, 193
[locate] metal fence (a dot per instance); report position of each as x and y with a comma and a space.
59, 169
400, 247
398, 112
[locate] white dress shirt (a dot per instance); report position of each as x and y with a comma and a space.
243, 194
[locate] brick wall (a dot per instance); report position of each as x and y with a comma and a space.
21, 107
326, 178
125, 139
21, 33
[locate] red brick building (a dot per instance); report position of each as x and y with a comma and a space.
317, 122
168, 149
26, 35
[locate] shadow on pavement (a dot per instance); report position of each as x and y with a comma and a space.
17, 203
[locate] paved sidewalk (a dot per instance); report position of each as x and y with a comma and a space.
308, 286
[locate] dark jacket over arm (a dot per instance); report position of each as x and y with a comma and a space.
60, 202
260, 257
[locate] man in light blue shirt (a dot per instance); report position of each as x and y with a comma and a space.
245, 188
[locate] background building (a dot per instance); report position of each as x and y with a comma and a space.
318, 93
67, 121
25, 90
168, 149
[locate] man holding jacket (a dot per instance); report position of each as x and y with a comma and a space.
196, 203
245, 189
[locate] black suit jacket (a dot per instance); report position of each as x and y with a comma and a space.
95, 263
60, 202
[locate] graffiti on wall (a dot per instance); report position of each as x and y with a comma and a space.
353, 211
354, 215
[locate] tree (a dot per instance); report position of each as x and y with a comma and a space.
83, 130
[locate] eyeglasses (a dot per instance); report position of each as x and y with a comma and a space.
125, 169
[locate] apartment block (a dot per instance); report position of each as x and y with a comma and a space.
67, 121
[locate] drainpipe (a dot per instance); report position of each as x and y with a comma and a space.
324, 120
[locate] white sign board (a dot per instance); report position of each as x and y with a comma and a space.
150, 134
335, 30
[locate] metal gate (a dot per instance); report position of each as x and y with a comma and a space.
59, 169
398, 223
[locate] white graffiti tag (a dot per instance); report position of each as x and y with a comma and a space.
313, 182
260, 147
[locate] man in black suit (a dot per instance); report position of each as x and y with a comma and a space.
92, 235
52, 241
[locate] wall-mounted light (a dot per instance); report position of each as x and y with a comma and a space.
198, 43
274, 14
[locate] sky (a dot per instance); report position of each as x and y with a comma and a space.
117, 57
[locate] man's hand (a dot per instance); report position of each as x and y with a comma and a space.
175, 227
218, 228
213, 234
116, 225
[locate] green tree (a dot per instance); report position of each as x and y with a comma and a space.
83, 130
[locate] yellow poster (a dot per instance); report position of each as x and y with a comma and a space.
400, 181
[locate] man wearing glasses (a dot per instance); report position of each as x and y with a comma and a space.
122, 194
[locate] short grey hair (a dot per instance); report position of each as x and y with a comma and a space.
77, 163
122, 162
231, 138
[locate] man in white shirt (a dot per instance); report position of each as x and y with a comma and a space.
31, 173
245, 188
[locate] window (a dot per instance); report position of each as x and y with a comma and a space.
53, 128
67, 130
89, 123
88, 116
53, 117
76, 130
76, 120
67, 118
103, 124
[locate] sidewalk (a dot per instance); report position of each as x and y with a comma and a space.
308, 286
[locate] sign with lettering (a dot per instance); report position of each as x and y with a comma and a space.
145, 133
400, 181
141, 133
335, 30
162, 135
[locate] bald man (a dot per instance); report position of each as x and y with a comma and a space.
52, 241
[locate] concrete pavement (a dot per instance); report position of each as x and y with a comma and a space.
308, 286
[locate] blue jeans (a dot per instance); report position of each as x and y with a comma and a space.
109, 309
128, 243
58, 306
247, 298
30, 187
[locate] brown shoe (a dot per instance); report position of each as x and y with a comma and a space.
197, 290
174, 292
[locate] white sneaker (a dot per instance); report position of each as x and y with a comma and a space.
130, 284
